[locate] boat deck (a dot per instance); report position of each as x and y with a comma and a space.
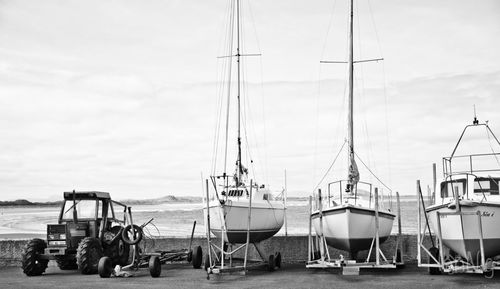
290, 276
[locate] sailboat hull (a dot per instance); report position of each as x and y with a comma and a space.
230, 221
352, 228
461, 232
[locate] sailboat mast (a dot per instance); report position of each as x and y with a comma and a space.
239, 169
350, 125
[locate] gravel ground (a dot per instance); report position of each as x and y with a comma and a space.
290, 276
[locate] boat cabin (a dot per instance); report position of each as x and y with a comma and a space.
483, 187
259, 193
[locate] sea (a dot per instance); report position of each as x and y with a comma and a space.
173, 219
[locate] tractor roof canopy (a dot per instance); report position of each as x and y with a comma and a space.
84, 195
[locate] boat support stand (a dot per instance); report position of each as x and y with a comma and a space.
438, 257
221, 256
319, 256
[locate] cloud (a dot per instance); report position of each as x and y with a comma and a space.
123, 97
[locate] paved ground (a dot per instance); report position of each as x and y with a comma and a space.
290, 276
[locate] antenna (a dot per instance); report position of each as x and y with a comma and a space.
475, 122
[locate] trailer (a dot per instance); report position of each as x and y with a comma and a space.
152, 260
319, 256
441, 259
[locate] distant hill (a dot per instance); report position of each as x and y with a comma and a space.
156, 201
161, 200
26, 203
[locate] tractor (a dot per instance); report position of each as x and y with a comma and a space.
90, 226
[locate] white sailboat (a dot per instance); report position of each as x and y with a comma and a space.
466, 214
347, 218
239, 209
229, 214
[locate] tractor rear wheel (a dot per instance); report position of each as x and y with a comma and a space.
66, 264
31, 263
88, 254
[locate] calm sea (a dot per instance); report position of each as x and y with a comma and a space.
170, 219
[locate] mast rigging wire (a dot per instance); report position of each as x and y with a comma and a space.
222, 85
389, 159
331, 165
390, 190
491, 147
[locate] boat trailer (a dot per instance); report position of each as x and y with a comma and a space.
319, 255
439, 260
220, 258
150, 260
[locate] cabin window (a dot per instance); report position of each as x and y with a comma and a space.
235, 193
86, 209
486, 186
451, 188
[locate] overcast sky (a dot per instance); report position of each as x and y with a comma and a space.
120, 96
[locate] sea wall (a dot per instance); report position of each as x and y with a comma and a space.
293, 248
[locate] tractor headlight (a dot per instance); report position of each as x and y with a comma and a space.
57, 243
56, 237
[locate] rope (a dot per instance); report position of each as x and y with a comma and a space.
229, 60
318, 96
389, 160
390, 190
334, 160
262, 94
329, 27
491, 147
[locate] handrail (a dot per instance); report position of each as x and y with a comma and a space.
447, 164
341, 197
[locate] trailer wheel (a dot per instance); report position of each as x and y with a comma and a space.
399, 260
105, 267
31, 263
154, 266
277, 260
316, 255
130, 236
197, 257
435, 253
270, 263
88, 254
120, 250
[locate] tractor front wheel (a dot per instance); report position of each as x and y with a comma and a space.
31, 262
88, 254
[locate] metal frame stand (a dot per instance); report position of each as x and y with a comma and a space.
444, 262
221, 255
317, 243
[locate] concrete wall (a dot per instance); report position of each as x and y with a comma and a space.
292, 248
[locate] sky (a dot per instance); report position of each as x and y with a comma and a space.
121, 96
